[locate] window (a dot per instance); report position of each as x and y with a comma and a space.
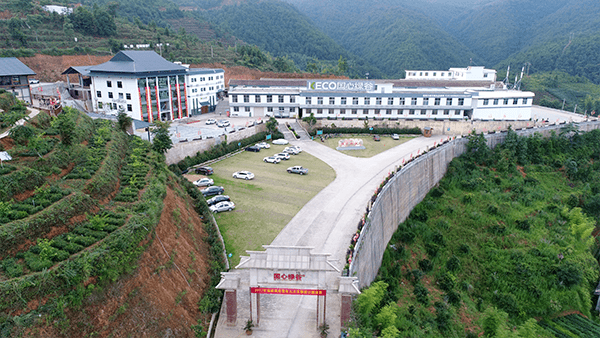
355, 100
506, 102
354, 111
234, 98
280, 98
449, 101
270, 109
292, 109
388, 112
332, 100
437, 101
390, 101
109, 83
423, 112
378, 101
425, 101
442, 74
402, 101
486, 102
129, 107
98, 94
377, 111
411, 112
495, 102
525, 100
119, 84
461, 102
367, 101
246, 98
128, 96
257, 98
343, 111
434, 74
446, 112
120, 96
236, 109
413, 101
110, 95
457, 112
308, 100
247, 109
292, 99
515, 101
99, 105
343, 100
194, 90
330, 111
194, 79
319, 100
269, 98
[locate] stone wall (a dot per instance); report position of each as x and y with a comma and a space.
408, 188
183, 149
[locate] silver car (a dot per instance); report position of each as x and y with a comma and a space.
282, 156
272, 159
204, 182
297, 170
244, 175
222, 206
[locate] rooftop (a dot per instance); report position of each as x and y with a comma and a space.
137, 62
13, 66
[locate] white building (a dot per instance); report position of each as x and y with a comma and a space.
470, 73
147, 87
379, 99
62, 10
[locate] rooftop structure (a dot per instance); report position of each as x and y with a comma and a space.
13, 78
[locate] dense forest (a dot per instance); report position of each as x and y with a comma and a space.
506, 237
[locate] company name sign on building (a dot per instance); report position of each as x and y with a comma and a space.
341, 85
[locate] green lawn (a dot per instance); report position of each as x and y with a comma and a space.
372, 147
265, 205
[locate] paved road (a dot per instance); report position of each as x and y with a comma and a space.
326, 223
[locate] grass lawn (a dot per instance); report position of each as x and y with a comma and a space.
372, 147
264, 205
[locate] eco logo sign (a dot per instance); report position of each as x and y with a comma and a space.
354, 86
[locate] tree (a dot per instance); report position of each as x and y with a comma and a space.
162, 141
124, 121
14, 27
311, 120
65, 123
342, 66
272, 125
477, 148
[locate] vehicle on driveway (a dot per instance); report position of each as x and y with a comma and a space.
282, 156
376, 138
395, 136
244, 175
255, 149
223, 123
204, 170
211, 121
34, 81
214, 190
263, 145
297, 170
272, 159
204, 182
222, 206
280, 141
291, 150
217, 199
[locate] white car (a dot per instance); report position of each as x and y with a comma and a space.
263, 145
222, 206
291, 150
211, 121
280, 142
395, 136
34, 81
282, 156
204, 182
223, 123
244, 175
272, 159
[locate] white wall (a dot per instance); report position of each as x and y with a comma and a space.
129, 85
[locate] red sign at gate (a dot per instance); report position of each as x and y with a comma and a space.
282, 291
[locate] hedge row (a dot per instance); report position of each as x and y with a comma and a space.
375, 130
14, 233
106, 178
19, 181
113, 257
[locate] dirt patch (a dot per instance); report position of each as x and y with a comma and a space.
160, 297
7, 143
522, 171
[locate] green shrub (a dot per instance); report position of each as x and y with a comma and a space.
453, 264
36, 263
422, 294
425, 265
12, 268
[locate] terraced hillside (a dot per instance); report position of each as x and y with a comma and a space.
97, 237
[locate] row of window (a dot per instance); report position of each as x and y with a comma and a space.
257, 98
355, 100
111, 96
119, 84
506, 102
114, 106
427, 74
269, 109
202, 79
387, 111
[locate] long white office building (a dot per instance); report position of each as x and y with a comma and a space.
475, 97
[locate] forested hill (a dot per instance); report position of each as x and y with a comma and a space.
282, 30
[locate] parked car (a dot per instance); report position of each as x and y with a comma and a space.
34, 81
282, 156
272, 159
395, 136
217, 199
204, 171
291, 150
185, 171
214, 190
297, 170
376, 138
204, 182
245, 175
263, 145
211, 121
280, 141
222, 206
255, 149
223, 123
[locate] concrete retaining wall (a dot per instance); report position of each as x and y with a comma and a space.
408, 188
183, 149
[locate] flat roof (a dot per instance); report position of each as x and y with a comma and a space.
13, 66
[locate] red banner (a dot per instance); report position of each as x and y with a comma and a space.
282, 291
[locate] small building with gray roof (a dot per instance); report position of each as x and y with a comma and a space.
14, 78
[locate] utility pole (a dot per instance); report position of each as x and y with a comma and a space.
563, 106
